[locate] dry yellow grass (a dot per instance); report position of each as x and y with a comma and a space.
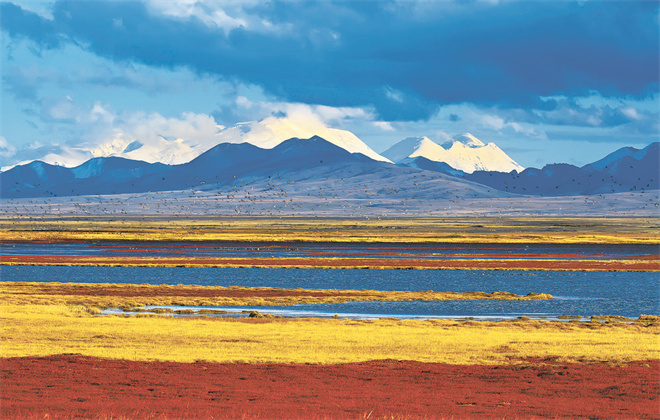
37, 330
465, 230
136, 295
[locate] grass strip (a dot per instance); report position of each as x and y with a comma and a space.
136, 295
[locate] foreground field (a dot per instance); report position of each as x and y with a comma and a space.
62, 360
465, 230
92, 388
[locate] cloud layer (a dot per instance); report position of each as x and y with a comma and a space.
537, 78
405, 59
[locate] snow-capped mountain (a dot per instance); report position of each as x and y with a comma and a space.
227, 165
272, 131
464, 152
318, 175
265, 134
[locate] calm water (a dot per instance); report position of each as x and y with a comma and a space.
576, 293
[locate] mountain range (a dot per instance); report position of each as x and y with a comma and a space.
315, 160
627, 169
265, 134
465, 153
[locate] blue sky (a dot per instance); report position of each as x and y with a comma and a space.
547, 81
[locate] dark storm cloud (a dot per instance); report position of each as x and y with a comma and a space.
23, 24
404, 59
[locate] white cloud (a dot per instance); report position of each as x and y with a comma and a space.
43, 8
107, 133
226, 15
6, 149
328, 113
100, 113
167, 140
631, 113
66, 110
439, 134
244, 102
493, 121
384, 125
61, 109
67, 156
212, 14
248, 110
593, 120
394, 94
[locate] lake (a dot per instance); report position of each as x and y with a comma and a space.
579, 293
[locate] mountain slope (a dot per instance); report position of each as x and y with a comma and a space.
111, 175
626, 169
465, 153
610, 161
431, 165
229, 163
32, 179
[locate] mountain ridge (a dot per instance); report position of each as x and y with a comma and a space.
464, 152
219, 165
265, 134
620, 171
316, 161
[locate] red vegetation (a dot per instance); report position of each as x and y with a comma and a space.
144, 291
494, 263
84, 387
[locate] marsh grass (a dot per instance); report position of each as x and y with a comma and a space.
130, 296
39, 330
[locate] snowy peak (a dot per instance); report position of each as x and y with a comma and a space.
407, 147
466, 139
464, 152
272, 131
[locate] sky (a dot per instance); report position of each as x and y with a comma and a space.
547, 81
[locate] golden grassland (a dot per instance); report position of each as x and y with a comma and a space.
135, 295
39, 330
38, 319
465, 230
